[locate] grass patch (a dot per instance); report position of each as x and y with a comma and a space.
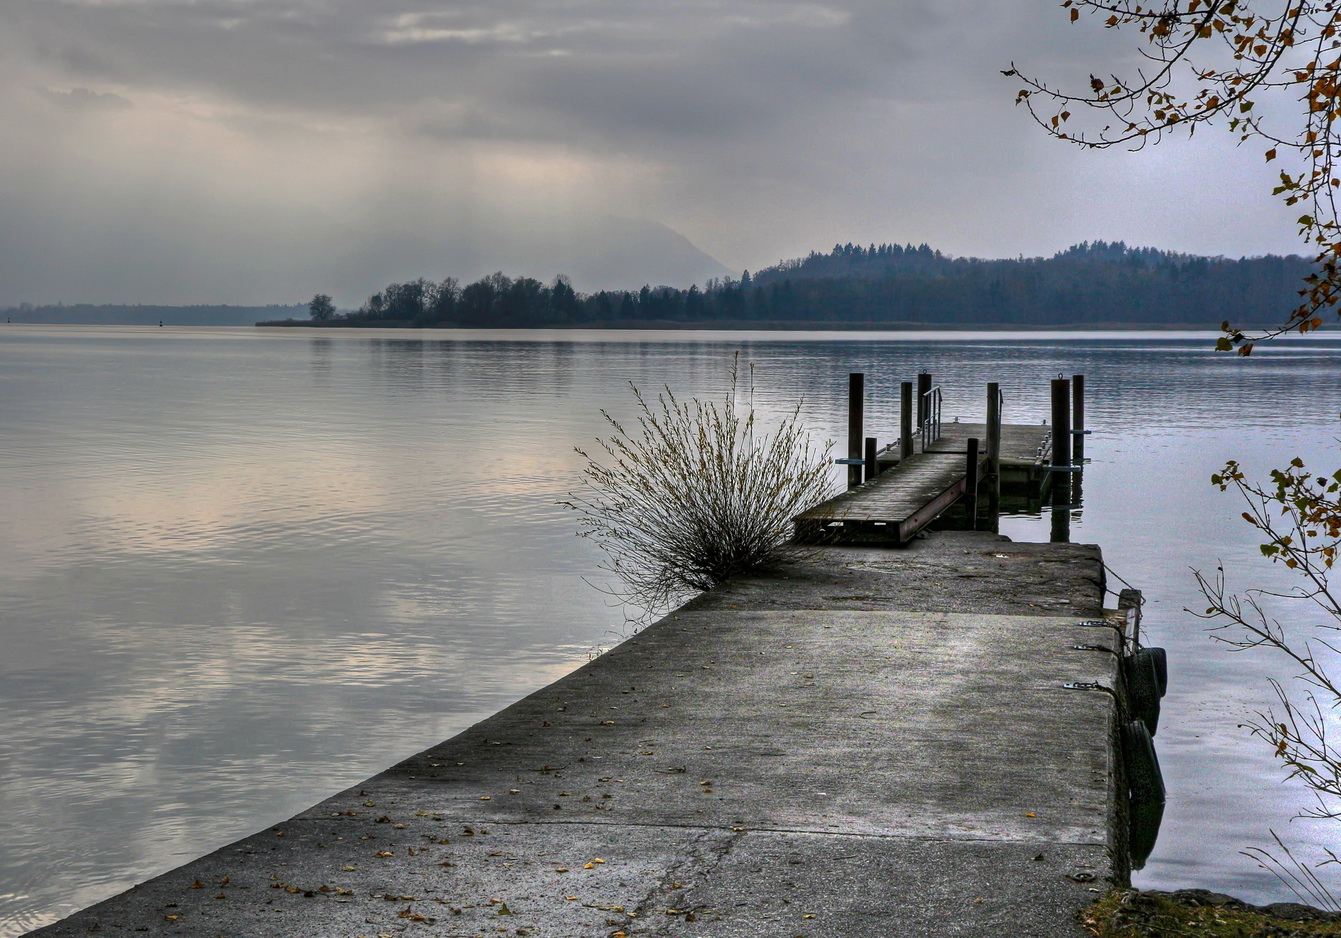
1129, 913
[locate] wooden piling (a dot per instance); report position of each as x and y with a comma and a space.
906, 420
994, 451
871, 470
1078, 418
1061, 429
1078, 436
971, 483
1061, 460
923, 386
856, 398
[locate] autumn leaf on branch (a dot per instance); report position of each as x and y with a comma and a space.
1211, 62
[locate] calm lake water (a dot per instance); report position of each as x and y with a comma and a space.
243, 569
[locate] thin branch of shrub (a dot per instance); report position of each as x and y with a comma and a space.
1296, 875
1299, 517
695, 493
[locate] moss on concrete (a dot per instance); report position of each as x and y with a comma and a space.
1130, 913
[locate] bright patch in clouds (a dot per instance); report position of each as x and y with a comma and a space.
217, 151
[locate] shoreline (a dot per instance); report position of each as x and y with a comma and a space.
759, 326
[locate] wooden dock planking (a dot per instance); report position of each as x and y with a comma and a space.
1018, 441
909, 493
897, 500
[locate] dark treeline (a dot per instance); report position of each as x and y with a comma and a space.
883, 285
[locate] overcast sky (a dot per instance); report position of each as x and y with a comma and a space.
261, 150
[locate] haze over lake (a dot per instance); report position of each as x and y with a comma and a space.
247, 568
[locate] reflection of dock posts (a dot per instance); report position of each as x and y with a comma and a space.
994, 452
906, 420
870, 466
1061, 460
923, 387
856, 395
971, 484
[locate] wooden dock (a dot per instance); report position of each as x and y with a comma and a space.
945, 463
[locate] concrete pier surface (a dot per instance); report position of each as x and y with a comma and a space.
869, 742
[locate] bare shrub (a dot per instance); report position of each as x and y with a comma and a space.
1299, 515
694, 494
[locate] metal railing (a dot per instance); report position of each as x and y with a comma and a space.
929, 409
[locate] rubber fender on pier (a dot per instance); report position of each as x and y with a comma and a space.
1161, 662
1145, 788
1144, 688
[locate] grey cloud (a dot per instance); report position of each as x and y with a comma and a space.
84, 98
759, 128
649, 64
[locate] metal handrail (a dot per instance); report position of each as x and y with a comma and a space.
930, 410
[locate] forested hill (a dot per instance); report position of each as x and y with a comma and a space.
1090, 284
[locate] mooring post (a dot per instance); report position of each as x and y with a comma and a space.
1078, 436
1078, 418
994, 451
906, 420
872, 470
1061, 460
856, 398
923, 386
971, 484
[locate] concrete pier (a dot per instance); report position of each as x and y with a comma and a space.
869, 742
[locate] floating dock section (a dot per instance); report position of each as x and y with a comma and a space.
910, 492
895, 493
